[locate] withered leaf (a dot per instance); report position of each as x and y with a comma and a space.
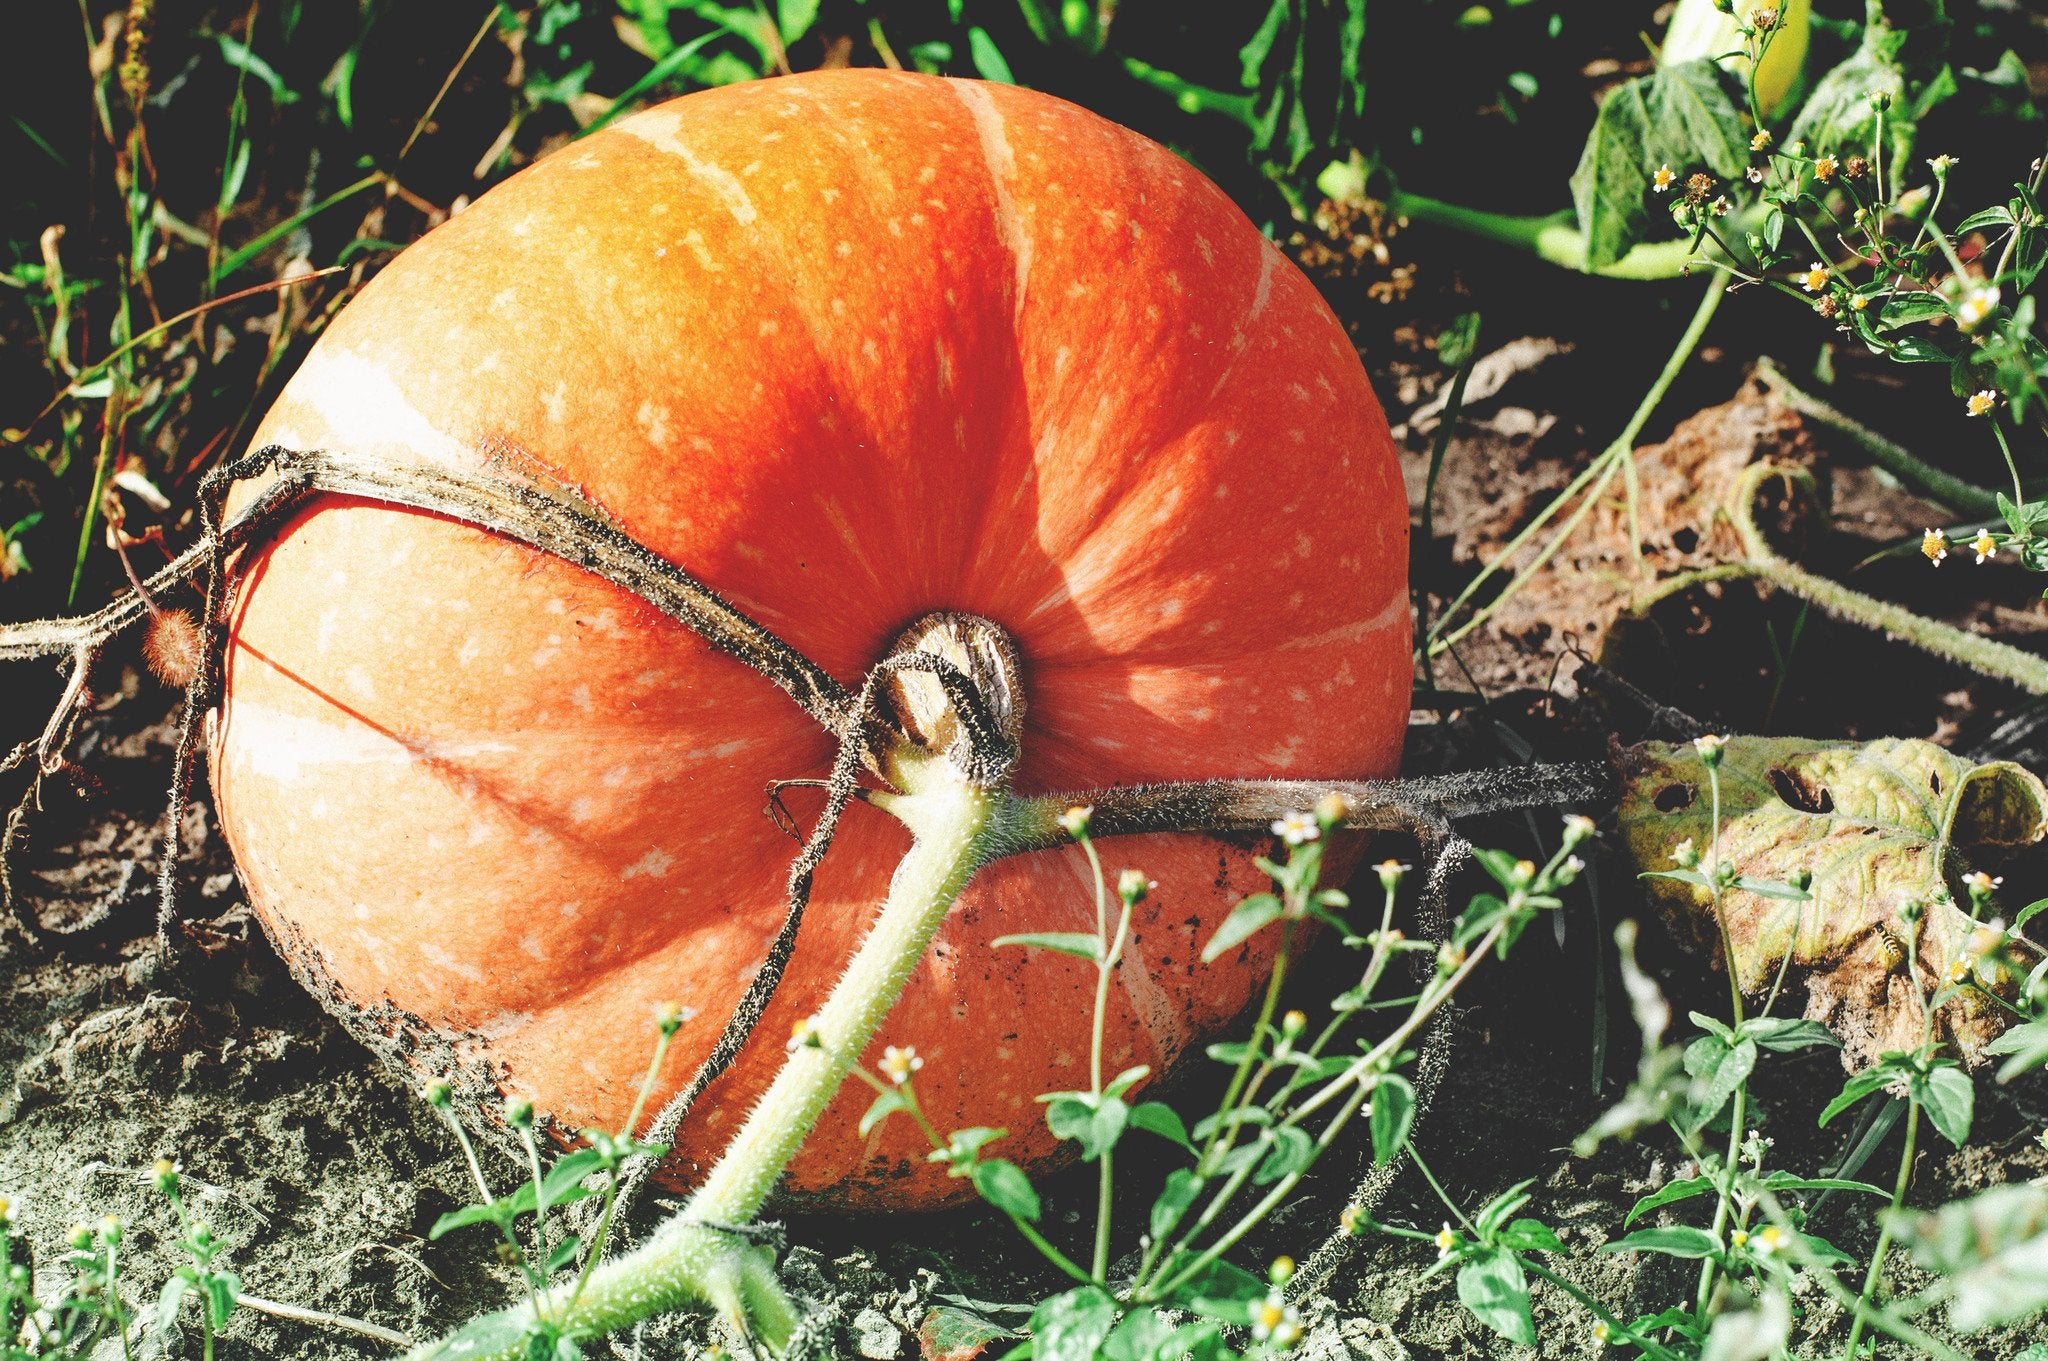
1879, 825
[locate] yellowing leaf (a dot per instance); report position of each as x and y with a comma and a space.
1879, 825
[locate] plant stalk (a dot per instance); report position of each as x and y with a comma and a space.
699, 1256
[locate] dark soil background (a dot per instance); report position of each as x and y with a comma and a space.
323, 1171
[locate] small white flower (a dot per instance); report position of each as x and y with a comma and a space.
1940, 164
1297, 828
1761, 141
1275, 1320
1075, 820
1755, 174
804, 1035
1815, 278
1663, 178
1985, 544
1976, 306
898, 1064
1709, 745
1982, 402
1577, 827
1934, 543
1446, 1241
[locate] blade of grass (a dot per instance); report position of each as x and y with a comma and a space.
662, 70
265, 240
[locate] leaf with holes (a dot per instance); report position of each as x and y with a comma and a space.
1878, 825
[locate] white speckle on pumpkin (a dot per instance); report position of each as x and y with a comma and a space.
582, 808
653, 865
439, 957
695, 241
652, 418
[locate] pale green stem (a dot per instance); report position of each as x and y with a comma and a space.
1104, 969
1602, 467
696, 1257
1964, 498
1551, 238
1884, 1230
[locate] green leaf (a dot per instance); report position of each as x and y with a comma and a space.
794, 18
1678, 1241
1853, 1091
1080, 944
1717, 1071
1095, 1125
1493, 1287
2029, 912
987, 57
1175, 1199
2028, 1045
1991, 1249
1252, 56
1669, 1194
223, 1292
1783, 1034
497, 1212
1786, 1181
1529, 1235
1003, 1184
1678, 116
885, 1105
1070, 1327
1949, 1099
169, 1298
564, 1253
1245, 920
1156, 1117
1837, 118
948, 1332
1393, 1115
1127, 1079
1222, 1291
1138, 1337
1232, 1119
239, 56
1289, 1150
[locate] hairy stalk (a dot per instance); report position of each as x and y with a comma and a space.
1964, 498
698, 1257
1987, 656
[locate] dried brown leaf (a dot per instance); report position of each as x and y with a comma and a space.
1879, 825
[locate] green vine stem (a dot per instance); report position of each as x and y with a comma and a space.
1552, 237
1986, 656
1964, 498
1598, 474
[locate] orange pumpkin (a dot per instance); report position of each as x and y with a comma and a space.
850, 347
